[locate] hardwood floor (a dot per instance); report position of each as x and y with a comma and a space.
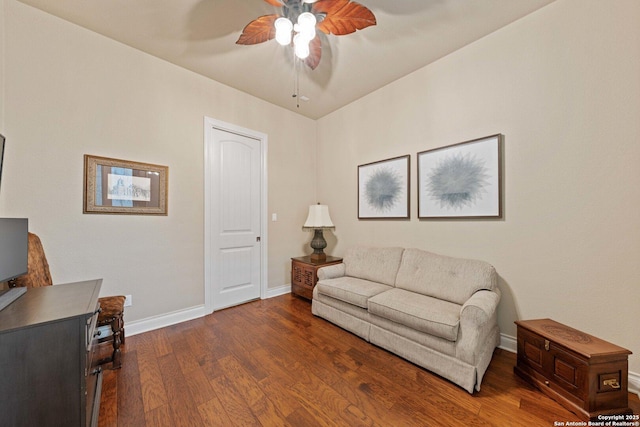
272, 363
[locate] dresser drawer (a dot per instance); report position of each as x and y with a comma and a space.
91, 340
91, 327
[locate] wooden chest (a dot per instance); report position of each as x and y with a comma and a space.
583, 373
304, 274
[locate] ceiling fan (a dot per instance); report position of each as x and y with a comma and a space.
299, 20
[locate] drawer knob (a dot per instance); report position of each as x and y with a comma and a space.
546, 383
546, 345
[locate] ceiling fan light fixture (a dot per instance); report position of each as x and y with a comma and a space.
307, 25
301, 46
283, 30
330, 17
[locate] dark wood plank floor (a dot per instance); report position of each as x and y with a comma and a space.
272, 363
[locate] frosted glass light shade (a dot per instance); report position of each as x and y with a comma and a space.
301, 46
318, 218
307, 25
283, 30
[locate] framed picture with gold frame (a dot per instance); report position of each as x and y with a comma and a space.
114, 186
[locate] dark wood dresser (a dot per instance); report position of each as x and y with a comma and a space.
304, 274
583, 373
48, 376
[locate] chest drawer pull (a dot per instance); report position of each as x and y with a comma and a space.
613, 383
546, 345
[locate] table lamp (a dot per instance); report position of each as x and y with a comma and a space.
318, 220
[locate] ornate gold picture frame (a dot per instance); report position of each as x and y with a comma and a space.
113, 186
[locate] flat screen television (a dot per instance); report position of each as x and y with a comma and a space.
14, 255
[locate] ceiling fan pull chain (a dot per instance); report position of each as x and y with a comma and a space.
296, 84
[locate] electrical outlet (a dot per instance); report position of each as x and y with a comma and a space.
128, 301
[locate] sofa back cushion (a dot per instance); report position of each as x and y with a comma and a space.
375, 264
447, 278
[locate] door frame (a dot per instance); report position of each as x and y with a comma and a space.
210, 123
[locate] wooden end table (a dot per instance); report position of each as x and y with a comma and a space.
304, 274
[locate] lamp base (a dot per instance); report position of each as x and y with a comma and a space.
318, 244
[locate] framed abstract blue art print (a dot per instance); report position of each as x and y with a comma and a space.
383, 189
462, 180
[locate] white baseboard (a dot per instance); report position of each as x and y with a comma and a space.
276, 292
163, 320
634, 383
510, 343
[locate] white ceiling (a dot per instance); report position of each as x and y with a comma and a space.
200, 35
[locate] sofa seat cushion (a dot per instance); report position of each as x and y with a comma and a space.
420, 312
351, 289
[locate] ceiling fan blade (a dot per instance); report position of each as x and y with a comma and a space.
259, 30
343, 16
315, 53
276, 3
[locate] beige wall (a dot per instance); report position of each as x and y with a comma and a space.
2, 26
563, 86
71, 92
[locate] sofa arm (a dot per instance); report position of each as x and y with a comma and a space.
331, 271
480, 307
478, 322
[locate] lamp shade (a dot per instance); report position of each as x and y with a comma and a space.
318, 218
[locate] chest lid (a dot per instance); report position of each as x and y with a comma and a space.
582, 343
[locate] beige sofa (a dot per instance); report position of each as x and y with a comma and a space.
435, 311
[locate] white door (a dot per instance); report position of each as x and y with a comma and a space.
234, 215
